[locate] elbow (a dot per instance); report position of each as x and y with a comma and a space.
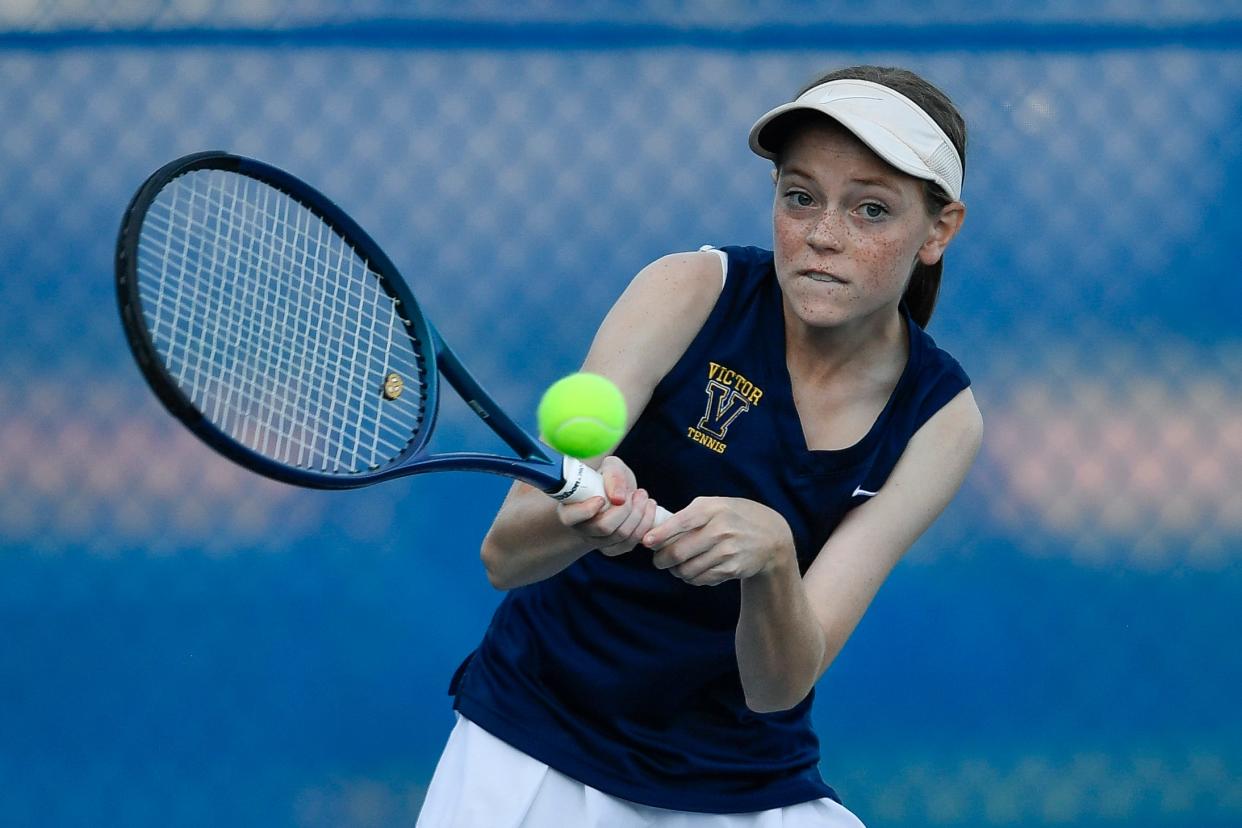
774, 701
493, 564
778, 696
500, 583
787, 691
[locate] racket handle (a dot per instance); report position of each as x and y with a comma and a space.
583, 482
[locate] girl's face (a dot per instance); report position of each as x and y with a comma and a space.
848, 228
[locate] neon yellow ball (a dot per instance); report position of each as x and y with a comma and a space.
582, 415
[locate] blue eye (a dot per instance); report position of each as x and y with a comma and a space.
874, 210
799, 198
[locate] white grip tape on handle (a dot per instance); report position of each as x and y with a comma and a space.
583, 482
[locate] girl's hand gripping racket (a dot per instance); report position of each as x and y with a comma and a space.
274, 328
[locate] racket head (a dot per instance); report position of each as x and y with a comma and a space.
243, 293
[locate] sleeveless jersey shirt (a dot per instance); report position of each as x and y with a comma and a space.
625, 678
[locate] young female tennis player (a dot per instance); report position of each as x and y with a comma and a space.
788, 406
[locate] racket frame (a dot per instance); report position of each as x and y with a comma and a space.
563, 478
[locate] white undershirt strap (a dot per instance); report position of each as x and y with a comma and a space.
724, 262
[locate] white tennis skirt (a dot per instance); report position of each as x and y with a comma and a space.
482, 782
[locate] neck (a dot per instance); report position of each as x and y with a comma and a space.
863, 344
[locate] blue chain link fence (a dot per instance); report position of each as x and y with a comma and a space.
186, 644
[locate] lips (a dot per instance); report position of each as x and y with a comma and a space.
822, 276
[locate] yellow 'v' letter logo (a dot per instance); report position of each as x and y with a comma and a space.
724, 404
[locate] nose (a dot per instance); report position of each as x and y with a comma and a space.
826, 231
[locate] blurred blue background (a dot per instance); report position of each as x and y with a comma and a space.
185, 644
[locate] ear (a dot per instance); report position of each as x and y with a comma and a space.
943, 228
776, 174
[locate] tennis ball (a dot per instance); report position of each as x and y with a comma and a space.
582, 415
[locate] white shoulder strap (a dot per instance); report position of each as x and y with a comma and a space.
724, 262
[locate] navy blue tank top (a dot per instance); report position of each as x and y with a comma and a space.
625, 678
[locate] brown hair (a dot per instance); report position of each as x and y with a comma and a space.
924, 287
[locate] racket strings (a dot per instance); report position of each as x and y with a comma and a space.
274, 327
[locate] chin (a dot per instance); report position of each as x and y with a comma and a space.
820, 314
825, 312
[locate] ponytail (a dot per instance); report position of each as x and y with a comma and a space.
921, 293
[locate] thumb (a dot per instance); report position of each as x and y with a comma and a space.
616, 483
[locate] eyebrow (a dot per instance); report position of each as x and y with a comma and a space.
875, 182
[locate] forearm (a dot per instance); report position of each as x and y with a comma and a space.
527, 543
780, 644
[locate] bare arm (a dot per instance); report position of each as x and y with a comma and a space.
790, 628
640, 340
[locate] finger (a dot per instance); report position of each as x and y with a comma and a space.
698, 568
714, 576
616, 482
686, 520
683, 548
605, 524
625, 520
625, 537
649, 517
620, 547
574, 514
628, 528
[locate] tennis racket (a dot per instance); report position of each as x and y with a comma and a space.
271, 325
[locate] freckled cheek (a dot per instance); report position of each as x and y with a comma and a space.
885, 258
785, 247
784, 235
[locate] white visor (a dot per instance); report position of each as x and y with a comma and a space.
888, 122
